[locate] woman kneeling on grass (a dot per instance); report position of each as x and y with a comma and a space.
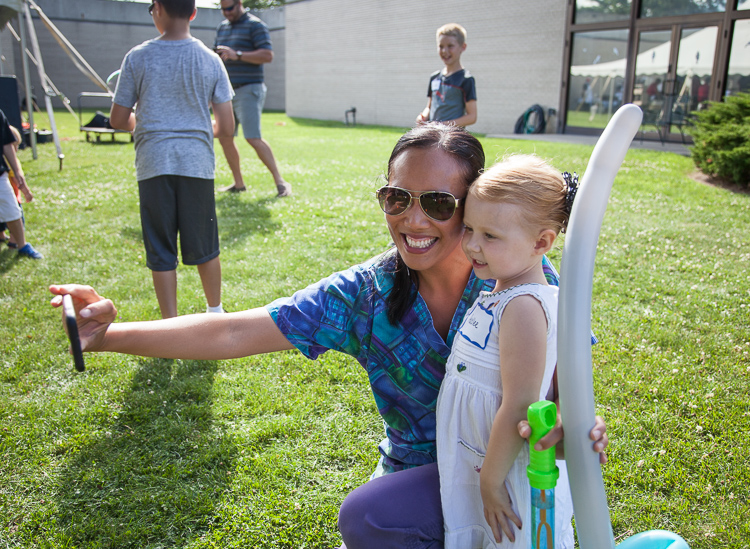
397, 314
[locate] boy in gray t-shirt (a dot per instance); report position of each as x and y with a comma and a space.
173, 81
452, 93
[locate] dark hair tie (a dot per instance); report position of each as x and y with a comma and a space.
571, 188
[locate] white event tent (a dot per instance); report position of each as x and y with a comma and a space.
696, 59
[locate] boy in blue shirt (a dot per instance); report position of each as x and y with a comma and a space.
173, 81
451, 94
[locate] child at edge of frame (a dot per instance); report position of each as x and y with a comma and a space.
11, 214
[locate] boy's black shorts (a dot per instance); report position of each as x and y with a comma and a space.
172, 204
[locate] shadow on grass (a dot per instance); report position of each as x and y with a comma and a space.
156, 477
133, 233
8, 260
309, 122
239, 219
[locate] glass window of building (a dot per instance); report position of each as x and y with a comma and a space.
666, 8
651, 66
674, 46
667, 98
597, 77
738, 74
599, 11
695, 62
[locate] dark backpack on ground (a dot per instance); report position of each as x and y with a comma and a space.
531, 121
99, 121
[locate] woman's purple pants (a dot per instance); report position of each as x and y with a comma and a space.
397, 511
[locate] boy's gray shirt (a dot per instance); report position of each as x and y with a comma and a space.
172, 83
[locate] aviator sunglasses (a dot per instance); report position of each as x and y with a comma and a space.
437, 205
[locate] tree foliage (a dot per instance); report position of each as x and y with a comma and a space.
262, 4
655, 8
722, 139
616, 7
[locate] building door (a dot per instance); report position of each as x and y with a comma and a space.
673, 71
669, 56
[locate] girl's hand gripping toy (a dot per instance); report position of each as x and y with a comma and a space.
543, 474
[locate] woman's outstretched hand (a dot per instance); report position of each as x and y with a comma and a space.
598, 435
94, 314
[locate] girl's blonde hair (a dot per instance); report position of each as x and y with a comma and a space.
529, 182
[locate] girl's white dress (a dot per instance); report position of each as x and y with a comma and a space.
469, 398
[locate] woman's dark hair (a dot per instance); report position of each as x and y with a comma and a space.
468, 153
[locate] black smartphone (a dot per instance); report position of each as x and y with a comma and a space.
71, 328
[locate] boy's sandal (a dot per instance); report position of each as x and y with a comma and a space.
11, 244
284, 189
233, 189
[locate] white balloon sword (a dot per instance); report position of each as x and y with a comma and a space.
575, 373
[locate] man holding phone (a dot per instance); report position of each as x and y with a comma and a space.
244, 44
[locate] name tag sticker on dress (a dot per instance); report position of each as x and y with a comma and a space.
477, 326
436, 84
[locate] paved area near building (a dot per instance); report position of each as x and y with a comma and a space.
677, 148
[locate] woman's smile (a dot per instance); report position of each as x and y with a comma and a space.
423, 242
419, 242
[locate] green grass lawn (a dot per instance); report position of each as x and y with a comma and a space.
260, 452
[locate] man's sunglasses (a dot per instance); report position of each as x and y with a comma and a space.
151, 8
437, 205
230, 8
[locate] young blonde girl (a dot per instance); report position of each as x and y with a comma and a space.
503, 358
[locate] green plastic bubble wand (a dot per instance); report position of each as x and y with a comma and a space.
543, 475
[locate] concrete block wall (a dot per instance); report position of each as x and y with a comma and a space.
275, 73
103, 31
377, 57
